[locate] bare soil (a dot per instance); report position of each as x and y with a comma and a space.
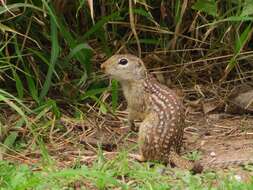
218, 138
224, 141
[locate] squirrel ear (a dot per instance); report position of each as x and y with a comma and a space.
141, 70
141, 63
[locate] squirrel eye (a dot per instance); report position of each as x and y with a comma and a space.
123, 61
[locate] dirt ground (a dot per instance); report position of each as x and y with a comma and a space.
218, 138
223, 141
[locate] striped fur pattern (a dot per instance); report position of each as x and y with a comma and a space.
162, 127
165, 133
161, 132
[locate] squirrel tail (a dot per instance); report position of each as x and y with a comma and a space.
180, 162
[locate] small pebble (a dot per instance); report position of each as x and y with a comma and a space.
212, 154
202, 143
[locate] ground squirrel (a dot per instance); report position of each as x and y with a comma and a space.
162, 127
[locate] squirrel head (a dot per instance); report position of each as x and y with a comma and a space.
125, 67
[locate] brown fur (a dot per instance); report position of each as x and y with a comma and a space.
161, 112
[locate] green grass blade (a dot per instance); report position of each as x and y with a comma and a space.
5, 28
208, 7
30, 81
55, 51
19, 84
17, 6
32, 86
243, 38
9, 96
83, 55
13, 106
247, 8
239, 44
10, 139
92, 92
51, 12
78, 48
100, 24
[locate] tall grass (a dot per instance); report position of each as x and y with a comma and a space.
48, 46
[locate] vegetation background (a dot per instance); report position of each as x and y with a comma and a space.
50, 52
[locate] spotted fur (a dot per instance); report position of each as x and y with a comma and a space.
168, 131
162, 128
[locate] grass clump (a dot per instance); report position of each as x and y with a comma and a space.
114, 174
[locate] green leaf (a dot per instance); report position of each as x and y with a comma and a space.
14, 106
143, 12
30, 82
100, 24
17, 6
32, 86
19, 84
78, 48
44, 152
83, 55
207, 6
242, 39
239, 44
247, 8
51, 12
55, 108
103, 108
10, 139
5, 28
177, 11
98, 31
81, 4
229, 19
92, 93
